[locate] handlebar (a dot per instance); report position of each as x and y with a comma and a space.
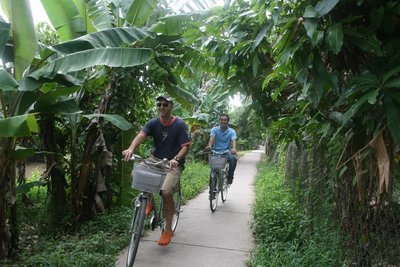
226, 152
221, 153
164, 162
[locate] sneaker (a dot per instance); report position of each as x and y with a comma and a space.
149, 207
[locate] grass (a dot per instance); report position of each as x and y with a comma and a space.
98, 242
283, 233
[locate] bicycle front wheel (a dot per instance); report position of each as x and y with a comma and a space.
136, 229
224, 187
213, 191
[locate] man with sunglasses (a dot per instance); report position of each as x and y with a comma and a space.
171, 140
223, 138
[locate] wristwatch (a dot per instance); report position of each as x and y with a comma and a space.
176, 158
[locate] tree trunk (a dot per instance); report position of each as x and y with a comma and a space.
81, 190
84, 190
58, 183
8, 233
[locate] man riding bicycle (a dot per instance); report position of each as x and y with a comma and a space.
223, 138
171, 140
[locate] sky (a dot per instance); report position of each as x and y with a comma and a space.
39, 15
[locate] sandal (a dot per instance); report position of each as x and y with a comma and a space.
165, 238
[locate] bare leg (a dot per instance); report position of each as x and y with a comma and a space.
169, 208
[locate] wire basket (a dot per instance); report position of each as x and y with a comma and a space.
147, 178
217, 161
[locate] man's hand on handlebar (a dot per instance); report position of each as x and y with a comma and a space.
173, 163
127, 154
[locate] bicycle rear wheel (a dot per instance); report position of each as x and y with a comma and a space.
178, 202
213, 191
225, 186
136, 229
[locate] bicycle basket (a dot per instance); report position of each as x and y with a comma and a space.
147, 178
217, 161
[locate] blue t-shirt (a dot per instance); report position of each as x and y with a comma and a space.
168, 138
223, 139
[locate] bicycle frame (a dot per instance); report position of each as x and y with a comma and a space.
218, 182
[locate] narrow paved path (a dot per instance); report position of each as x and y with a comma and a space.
202, 238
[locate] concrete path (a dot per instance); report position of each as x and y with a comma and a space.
203, 238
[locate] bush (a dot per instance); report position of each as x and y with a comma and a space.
194, 179
284, 234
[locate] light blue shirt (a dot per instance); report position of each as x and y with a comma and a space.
223, 139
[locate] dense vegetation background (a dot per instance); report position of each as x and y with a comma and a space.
319, 81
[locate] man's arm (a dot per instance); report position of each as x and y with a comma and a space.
181, 154
127, 153
210, 142
233, 150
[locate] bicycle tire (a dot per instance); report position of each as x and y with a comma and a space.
224, 187
136, 231
178, 202
213, 196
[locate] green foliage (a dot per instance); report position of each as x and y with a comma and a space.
194, 179
275, 210
95, 244
249, 127
46, 34
98, 242
285, 237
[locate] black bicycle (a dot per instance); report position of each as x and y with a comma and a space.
218, 183
148, 178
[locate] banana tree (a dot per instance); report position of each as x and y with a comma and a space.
83, 184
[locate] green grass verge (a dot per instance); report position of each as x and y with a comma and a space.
284, 236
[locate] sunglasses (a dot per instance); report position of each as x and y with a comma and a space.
162, 105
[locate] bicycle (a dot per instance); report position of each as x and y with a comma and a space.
148, 178
218, 183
